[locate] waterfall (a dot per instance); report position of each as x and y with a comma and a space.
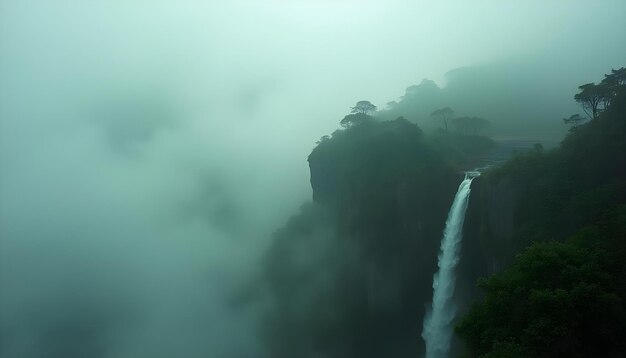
437, 330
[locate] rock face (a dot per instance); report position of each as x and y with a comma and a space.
389, 193
351, 274
500, 199
488, 234
324, 169
492, 218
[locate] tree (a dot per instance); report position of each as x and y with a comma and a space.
574, 120
612, 84
443, 115
616, 77
354, 119
363, 107
597, 97
590, 98
557, 300
619, 75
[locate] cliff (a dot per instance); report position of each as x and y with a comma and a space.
351, 274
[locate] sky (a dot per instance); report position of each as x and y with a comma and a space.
148, 149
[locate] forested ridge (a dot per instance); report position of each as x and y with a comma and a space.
562, 290
548, 224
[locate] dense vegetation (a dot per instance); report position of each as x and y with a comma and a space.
347, 275
564, 294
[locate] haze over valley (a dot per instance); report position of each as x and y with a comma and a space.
278, 178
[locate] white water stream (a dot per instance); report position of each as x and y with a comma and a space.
437, 330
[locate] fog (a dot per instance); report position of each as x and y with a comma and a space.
148, 149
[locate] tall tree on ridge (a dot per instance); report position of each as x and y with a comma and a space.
443, 115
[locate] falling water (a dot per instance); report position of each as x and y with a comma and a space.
437, 330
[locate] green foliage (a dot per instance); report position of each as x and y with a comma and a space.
363, 107
590, 97
559, 191
355, 119
614, 82
595, 98
443, 115
558, 299
344, 274
564, 294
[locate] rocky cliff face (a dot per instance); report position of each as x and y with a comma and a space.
491, 219
350, 276
380, 201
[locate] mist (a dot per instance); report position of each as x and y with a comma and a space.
150, 149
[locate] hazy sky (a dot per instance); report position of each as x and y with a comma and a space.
161, 142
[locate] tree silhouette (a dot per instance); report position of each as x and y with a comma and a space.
363, 107
611, 85
354, 119
590, 98
443, 115
616, 77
